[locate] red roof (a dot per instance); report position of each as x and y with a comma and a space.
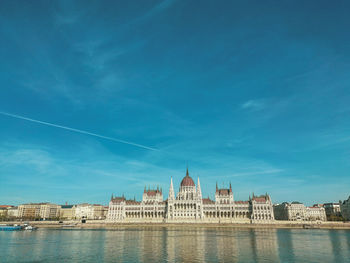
260, 199
187, 180
208, 201
224, 191
6, 206
132, 202
152, 192
118, 199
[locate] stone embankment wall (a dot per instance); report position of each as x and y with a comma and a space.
247, 223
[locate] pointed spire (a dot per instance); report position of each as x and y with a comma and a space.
112, 197
199, 191
171, 190
217, 189
187, 171
230, 187
145, 189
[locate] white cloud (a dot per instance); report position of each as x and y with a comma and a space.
254, 105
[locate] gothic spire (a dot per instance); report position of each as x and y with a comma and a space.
199, 191
171, 190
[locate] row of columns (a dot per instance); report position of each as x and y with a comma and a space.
229, 214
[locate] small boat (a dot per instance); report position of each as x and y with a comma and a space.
30, 227
10, 228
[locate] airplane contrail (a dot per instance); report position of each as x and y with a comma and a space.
78, 131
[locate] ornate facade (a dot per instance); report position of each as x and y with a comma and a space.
296, 211
188, 206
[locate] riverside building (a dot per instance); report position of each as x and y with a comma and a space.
332, 210
316, 213
188, 206
345, 209
296, 211
38, 210
89, 211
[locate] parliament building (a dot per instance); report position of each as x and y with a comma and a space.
188, 206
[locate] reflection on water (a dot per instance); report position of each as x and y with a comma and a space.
175, 244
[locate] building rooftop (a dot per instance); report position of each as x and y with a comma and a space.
208, 201
132, 202
187, 180
224, 191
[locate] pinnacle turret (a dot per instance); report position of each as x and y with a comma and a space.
171, 190
199, 191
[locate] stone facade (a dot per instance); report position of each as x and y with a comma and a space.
48, 211
345, 209
188, 206
316, 213
296, 211
262, 209
38, 210
12, 212
3, 212
332, 209
67, 212
89, 211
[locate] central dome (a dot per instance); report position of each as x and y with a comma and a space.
187, 180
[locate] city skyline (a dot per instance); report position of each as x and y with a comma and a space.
256, 95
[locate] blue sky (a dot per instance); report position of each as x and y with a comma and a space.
256, 93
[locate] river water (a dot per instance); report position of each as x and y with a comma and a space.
176, 244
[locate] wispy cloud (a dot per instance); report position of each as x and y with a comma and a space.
254, 105
158, 8
38, 159
261, 172
102, 171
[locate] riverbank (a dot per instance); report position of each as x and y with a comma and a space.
95, 224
